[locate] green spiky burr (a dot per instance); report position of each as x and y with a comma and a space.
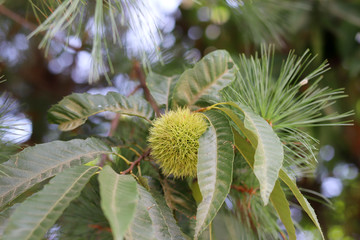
174, 140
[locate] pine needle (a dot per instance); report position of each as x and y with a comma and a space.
107, 17
281, 100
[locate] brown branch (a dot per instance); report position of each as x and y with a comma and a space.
283, 235
140, 75
17, 18
244, 189
135, 90
136, 162
202, 109
29, 25
115, 121
114, 124
99, 228
239, 188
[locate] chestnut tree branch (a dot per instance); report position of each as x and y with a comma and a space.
140, 75
136, 162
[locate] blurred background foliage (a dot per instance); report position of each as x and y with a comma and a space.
166, 36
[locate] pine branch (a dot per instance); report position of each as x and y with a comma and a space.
69, 16
288, 101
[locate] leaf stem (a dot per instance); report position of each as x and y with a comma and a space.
134, 151
123, 158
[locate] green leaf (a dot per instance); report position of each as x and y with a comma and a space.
214, 169
163, 222
178, 197
211, 74
277, 197
301, 199
269, 152
38, 213
281, 205
161, 88
141, 226
4, 217
74, 110
35, 164
119, 198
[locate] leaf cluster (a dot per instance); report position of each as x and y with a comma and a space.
243, 158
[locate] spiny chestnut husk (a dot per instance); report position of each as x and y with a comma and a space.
174, 140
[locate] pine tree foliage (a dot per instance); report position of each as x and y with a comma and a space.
95, 20
104, 25
7, 106
288, 100
7, 147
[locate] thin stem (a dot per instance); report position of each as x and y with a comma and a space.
123, 158
210, 231
244, 189
114, 125
135, 90
17, 18
139, 147
115, 121
202, 109
136, 162
139, 169
282, 235
99, 228
134, 151
29, 25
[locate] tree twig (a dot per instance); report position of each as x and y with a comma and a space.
135, 90
148, 96
244, 189
137, 161
114, 124
29, 25
283, 235
115, 121
17, 18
